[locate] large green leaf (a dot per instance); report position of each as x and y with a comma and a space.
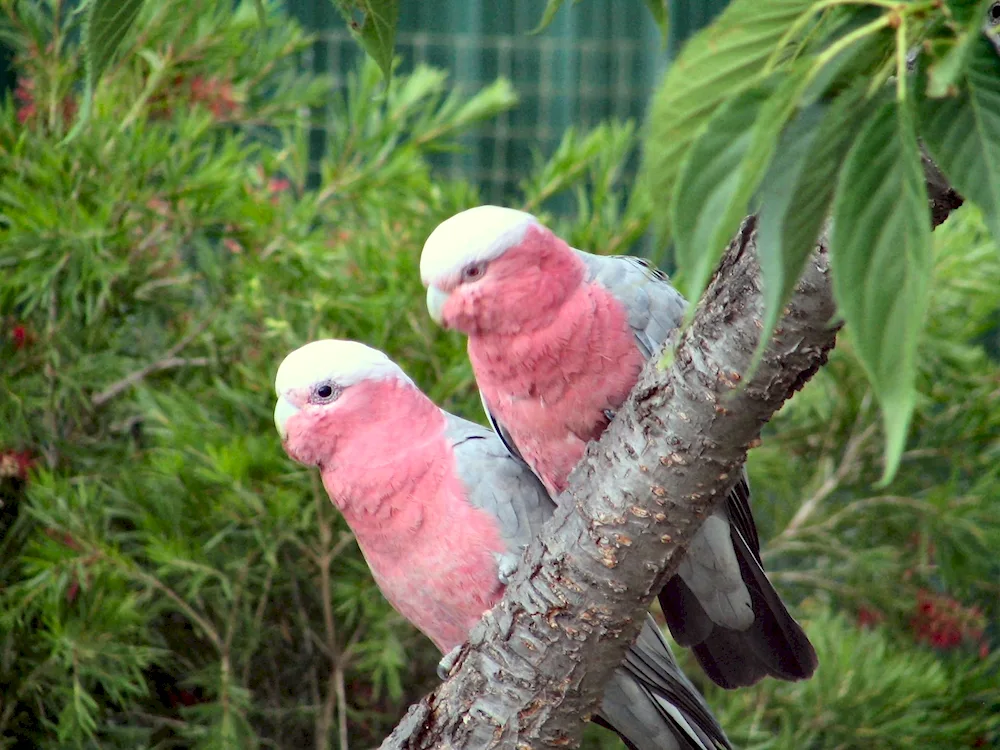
796, 193
107, 24
707, 185
715, 65
723, 170
376, 29
963, 133
881, 258
105, 27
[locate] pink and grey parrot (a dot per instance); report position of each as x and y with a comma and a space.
442, 511
557, 338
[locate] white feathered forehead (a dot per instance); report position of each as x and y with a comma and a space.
343, 362
477, 234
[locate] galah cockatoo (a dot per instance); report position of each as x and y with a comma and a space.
557, 338
441, 511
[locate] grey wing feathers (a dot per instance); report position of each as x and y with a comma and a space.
654, 307
500, 430
499, 483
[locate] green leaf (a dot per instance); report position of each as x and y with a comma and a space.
717, 64
376, 29
944, 73
963, 133
723, 170
261, 11
796, 193
659, 10
104, 29
881, 259
708, 181
551, 8
106, 25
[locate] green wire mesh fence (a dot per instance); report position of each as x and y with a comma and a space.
598, 60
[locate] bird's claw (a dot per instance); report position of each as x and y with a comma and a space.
447, 662
507, 565
610, 414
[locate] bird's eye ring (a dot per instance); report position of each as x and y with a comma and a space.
325, 392
473, 272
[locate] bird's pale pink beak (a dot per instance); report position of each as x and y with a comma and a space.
435, 303
283, 411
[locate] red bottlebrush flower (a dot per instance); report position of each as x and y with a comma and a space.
216, 94
28, 111
276, 185
73, 590
869, 618
16, 464
232, 246
945, 623
20, 335
25, 93
984, 650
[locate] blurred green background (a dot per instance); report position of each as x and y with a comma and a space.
169, 579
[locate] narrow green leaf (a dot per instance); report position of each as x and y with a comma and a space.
715, 65
881, 259
261, 12
104, 29
963, 133
551, 8
659, 10
376, 29
796, 193
707, 183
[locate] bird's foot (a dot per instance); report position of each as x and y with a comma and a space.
507, 564
610, 414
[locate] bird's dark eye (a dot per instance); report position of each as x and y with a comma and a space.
474, 271
994, 13
325, 392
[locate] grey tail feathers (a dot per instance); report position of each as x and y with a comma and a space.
651, 705
775, 645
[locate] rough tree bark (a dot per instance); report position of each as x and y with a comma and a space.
535, 666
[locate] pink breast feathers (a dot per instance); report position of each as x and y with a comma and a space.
429, 549
550, 386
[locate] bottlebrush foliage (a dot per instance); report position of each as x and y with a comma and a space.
169, 579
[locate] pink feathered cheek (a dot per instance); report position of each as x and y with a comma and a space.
458, 311
304, 442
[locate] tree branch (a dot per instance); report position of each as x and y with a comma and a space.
535, 666
169, 361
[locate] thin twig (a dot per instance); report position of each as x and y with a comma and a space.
169, 361
847, 463
341, 705
52, 422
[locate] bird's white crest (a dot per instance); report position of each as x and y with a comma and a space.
343, 362
477, 234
